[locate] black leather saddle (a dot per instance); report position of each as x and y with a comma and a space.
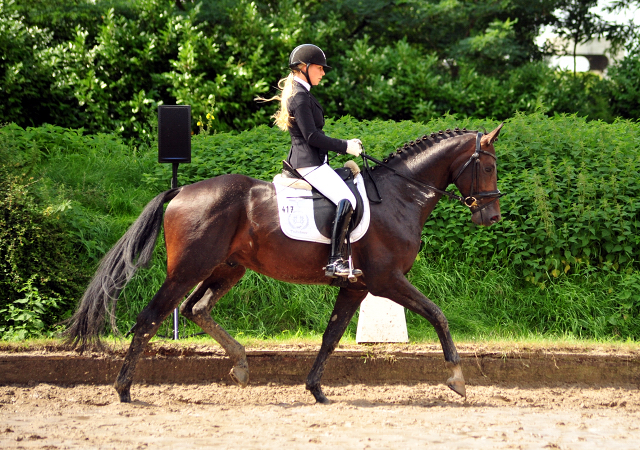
324, 210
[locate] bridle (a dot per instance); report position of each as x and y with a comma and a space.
471, 200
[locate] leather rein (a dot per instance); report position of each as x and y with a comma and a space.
471, 200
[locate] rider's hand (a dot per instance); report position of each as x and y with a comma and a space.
354, 147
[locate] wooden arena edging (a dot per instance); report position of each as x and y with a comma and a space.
345, 366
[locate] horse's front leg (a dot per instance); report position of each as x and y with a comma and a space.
346, 305
404, 293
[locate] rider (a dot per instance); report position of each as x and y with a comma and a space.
301, 114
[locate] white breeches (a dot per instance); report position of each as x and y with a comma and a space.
328, 182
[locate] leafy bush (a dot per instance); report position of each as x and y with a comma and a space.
25, 317
40, 271
570, 187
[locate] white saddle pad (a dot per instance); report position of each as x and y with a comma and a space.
296, 214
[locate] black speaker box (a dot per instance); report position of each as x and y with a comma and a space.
174, 133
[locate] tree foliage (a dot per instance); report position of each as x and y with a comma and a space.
578, 23
106, 65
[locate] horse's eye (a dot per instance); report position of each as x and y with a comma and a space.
488, 169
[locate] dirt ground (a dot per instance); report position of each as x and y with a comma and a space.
200, 416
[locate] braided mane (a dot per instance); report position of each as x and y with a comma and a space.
420, 144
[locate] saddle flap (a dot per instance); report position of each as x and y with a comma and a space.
307, 215
324, 211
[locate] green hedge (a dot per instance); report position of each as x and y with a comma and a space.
564, 259
571, 186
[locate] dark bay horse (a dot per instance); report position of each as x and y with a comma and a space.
217, 228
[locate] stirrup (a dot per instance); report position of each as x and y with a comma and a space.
353, 273
338, 268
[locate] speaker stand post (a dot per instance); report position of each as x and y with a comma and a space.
174, 175
174, 184
174, 146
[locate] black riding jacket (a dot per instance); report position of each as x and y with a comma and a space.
309, 144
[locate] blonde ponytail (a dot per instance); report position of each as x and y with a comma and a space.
281, 118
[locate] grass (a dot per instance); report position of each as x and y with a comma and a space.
482, 303
490, 301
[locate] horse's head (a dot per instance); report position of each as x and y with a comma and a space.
476, 177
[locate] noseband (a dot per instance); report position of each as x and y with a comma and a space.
471, 201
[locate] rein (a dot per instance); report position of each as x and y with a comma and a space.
471, 201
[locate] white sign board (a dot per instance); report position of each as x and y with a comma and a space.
381, 320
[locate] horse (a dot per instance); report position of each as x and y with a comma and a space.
218, 228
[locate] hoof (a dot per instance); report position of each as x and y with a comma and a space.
319, 395
321, 399
457, 386
456, 382
240, 375
125, 397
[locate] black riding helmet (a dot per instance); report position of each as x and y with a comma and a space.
307, 54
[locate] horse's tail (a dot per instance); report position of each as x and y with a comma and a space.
132, 251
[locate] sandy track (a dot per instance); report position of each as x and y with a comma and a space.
361, 416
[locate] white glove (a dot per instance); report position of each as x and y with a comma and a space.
354, 147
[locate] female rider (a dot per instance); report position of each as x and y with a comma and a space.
301, 114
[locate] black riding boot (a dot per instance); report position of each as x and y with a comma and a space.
337, 267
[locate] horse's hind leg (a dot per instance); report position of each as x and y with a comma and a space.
346, 305
198, 306
147, 324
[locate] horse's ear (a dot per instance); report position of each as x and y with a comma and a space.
490, 138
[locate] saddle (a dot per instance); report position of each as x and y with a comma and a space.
324, 210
